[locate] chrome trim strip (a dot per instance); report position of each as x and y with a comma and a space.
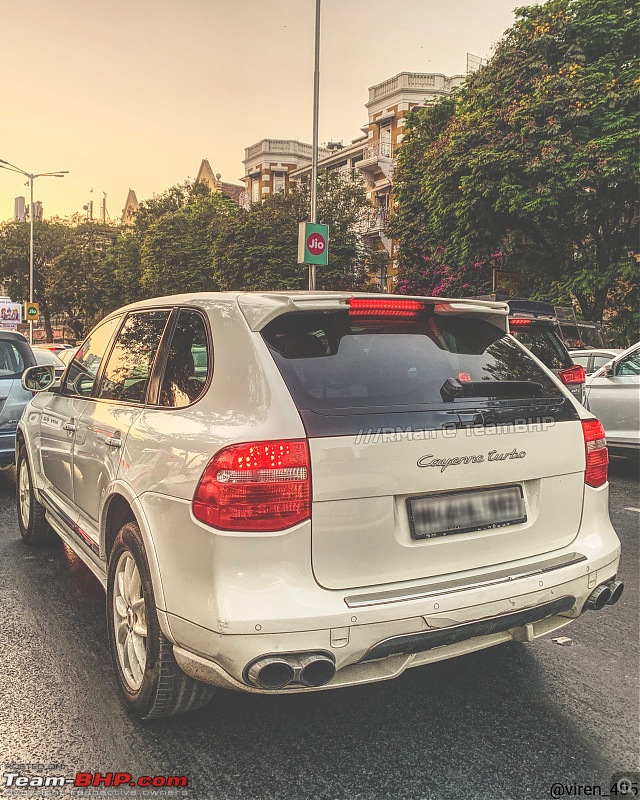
462, 584
72, 526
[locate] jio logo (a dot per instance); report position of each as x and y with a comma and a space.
316, 244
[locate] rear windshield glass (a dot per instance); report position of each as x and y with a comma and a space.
545, 344
332, 360
13, 359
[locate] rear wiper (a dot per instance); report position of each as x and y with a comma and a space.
453, 388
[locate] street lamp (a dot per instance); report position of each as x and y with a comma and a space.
32, 176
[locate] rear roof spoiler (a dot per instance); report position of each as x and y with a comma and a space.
260, 308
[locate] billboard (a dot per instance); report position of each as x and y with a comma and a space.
10, 314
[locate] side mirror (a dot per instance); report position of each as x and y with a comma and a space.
38, 379
607, 372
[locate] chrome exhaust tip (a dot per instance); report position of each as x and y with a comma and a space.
316, 669
271, 672
599, 598
616, 588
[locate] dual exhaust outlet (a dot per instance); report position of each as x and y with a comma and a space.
278, 671
606, 594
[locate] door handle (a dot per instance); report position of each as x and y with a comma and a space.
113, 441
69, 426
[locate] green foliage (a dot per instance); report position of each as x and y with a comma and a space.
175, 251
258, 249
535, 156
81, 282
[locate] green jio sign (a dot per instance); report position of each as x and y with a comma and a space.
313, 243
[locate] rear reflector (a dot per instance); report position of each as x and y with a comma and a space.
258, 486
596, 452
572, 375
383, 307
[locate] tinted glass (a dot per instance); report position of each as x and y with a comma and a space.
630, 365
81, 375
187, 368
333, 360
545, 345
126, 374
583, 361
598, 361
12, 363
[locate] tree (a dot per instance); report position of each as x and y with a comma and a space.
535, 156
258, 249
81, 280
50, 239
176, 248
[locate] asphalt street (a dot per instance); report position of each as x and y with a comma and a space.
508, 722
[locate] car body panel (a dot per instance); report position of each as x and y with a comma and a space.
615, 400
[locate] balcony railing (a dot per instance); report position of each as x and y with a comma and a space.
375, 222
379, 149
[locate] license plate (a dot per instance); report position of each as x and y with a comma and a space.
461, 512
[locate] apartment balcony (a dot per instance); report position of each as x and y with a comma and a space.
378, 157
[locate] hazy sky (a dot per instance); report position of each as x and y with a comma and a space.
135, 93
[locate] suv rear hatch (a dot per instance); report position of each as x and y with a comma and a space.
437, 444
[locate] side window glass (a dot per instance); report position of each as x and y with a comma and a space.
629, 365
81, 374
126, 374
187, 368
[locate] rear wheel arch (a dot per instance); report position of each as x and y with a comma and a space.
118, 511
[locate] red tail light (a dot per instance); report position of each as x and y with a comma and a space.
384, 307
597, 454
572, 375
258, 486
519, 323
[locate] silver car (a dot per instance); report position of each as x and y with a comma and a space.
593, 359
15, 357
613, 394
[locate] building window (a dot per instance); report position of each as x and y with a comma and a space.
385, 141
255, 190
278, 182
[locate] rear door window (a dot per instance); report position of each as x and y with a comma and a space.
186, 373
126, 374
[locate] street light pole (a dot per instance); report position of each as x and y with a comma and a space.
32, 176
314, 152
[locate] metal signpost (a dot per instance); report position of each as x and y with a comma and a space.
32, 176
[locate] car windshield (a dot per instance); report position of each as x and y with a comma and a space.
334, 360
12, 361
544, 343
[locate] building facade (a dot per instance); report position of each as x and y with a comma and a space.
273, 165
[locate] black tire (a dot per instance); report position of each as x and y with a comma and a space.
165, 689
34, 528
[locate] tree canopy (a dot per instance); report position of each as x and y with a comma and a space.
535, 157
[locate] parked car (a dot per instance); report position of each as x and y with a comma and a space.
535, 325
285, 492
613, 393
66, 355
46, 356
592, 360
15, 357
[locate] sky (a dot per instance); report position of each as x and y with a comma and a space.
135, 93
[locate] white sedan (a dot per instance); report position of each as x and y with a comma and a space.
612, 393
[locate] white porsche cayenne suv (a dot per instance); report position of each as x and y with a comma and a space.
283, 492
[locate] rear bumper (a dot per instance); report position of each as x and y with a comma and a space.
259, 597
527, 608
